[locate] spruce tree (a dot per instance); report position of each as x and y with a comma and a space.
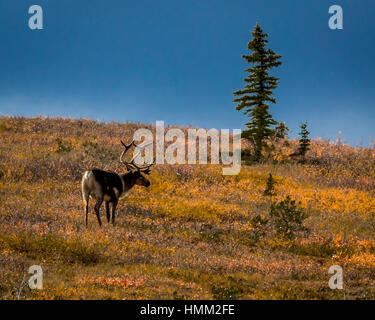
257, 93
304, 141
281, 131
270, 187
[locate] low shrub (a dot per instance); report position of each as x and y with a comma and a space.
63, 146
52, 248
287, 218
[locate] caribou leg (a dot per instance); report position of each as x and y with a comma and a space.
107, 211
86, 197
86, 211
97, 210
114, 205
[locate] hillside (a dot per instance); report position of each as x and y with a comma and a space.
189, 235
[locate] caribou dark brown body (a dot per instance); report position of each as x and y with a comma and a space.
108, 186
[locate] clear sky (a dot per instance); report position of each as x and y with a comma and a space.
180, 60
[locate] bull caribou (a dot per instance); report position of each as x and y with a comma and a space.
108, 186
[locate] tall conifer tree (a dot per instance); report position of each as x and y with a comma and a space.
257, 94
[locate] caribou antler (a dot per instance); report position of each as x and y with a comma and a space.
131, 165
145, 169
127, 147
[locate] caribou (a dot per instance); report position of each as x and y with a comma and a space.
107, 186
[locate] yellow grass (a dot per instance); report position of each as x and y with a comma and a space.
187, 236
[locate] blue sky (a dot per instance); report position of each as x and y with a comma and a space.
180, 61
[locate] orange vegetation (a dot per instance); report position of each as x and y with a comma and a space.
188, 235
